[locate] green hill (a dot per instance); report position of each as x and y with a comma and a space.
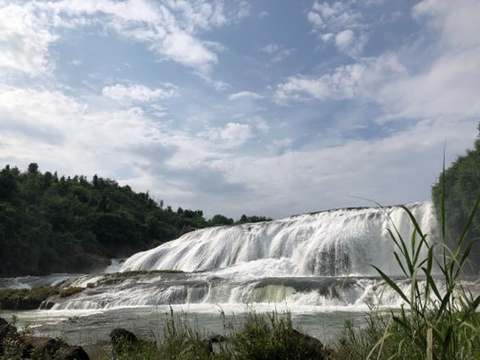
70, 224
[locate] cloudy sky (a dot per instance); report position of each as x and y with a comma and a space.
268, 107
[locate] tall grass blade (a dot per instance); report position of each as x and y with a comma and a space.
399, 262
390, 283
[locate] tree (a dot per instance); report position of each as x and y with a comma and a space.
33, 168
462, 187
8, 184
218, 220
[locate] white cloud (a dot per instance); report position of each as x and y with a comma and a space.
185, 49
360, 80
444, 79
344, 39
90, 141
457, 21
218, 85
260, 124
321, 178
348, 42
283, 142
334, 16
449, 89
270, 48
229, 136
296, 87
327, 37
263, 14
236, 134
24, 42
138, 92
65, 135
171, 29
338, 21
245, 95
277, 51
449, 85
315, 19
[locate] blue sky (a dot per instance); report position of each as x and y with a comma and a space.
258, 107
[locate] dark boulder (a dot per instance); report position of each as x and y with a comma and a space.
40, 347
123, 341
46, 348
71, 352
312, 348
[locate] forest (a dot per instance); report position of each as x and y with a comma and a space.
51, 223
456, 191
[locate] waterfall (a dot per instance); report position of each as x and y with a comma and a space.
330, 243
321, 259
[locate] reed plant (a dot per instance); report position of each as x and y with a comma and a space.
439, 318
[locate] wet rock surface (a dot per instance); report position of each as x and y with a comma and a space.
13, 344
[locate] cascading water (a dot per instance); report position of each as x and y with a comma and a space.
320, 259
330, 243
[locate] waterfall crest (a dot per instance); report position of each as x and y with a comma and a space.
330, 243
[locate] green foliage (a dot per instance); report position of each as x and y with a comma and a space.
220, 220
72, 290
25, 299
456, 191
56, 224
271, 337
115, 278
244, 219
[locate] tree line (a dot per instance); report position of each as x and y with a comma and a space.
51, 223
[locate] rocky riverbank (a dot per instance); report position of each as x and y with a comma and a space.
18, 345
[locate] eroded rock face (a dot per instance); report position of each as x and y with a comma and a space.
38, 347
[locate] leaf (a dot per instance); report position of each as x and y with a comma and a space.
390, 282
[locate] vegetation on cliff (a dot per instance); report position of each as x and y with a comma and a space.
458, 187
51, 223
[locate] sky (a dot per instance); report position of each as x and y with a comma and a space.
265, 107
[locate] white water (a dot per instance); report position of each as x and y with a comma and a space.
330, 243
320, 260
